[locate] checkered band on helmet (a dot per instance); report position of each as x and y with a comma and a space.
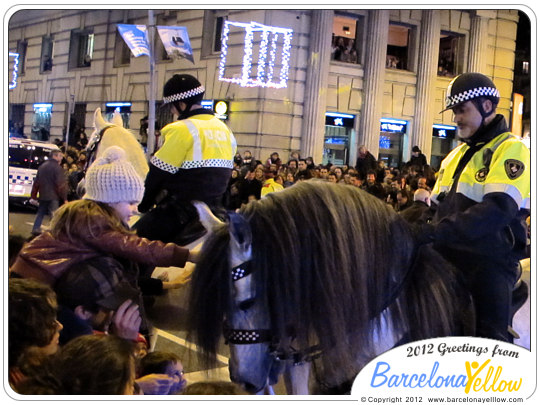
469, 86
181, 88
470, 94
184, 95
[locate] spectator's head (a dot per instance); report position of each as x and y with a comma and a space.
293, 164
290, 177
302, 164
159, 362
356, 180
371, 176
416, 151
113, 180
338, 172
332, 178
422, 182
402, 197
247, 155
295, 155
87, 365
323, 173
422, 195
33, 328
94, 294
57, 155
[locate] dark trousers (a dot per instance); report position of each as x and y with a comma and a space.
491, 283
46, 207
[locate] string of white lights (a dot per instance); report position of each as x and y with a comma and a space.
265, 63
13, 83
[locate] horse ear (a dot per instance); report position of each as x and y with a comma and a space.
99, 121
207, 218
117, 119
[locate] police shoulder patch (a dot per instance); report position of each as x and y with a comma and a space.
514, 168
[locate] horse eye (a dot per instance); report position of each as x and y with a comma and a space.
247, 304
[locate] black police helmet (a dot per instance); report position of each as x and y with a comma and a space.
470, 86
184, 88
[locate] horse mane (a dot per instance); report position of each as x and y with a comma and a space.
331, 257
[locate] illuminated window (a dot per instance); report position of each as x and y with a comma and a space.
47, 45
347, 38
398, 50
451, 54
81, 48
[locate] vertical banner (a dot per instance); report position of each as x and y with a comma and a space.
176, 42
136, 38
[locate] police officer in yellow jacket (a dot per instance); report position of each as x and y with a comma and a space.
481, 200
193, 164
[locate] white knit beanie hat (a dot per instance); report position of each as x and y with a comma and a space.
112, 179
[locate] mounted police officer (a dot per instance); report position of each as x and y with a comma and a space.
481, 200
193, 164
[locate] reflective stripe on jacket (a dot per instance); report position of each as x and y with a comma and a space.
202, 141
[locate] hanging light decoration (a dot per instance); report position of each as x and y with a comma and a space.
15, 75
266, 58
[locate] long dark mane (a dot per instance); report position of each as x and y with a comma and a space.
331, 258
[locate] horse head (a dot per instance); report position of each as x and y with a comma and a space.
247, 323
114, 134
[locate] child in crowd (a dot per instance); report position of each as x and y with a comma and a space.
97, 225
159, 362
87, 365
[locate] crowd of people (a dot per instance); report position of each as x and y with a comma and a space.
251, 179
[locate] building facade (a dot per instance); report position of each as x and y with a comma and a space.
352, 77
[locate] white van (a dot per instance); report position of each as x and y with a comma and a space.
25, 155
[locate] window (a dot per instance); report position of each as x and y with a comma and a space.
347, 38
451, 50
22, 45
122, 53
46, 61
398, 48
214, 21
81, 48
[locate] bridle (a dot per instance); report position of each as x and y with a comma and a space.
91, 151
256, 336
266, 336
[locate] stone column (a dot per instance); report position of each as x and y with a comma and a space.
373, 86
478, 42
430, 31
320, 44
